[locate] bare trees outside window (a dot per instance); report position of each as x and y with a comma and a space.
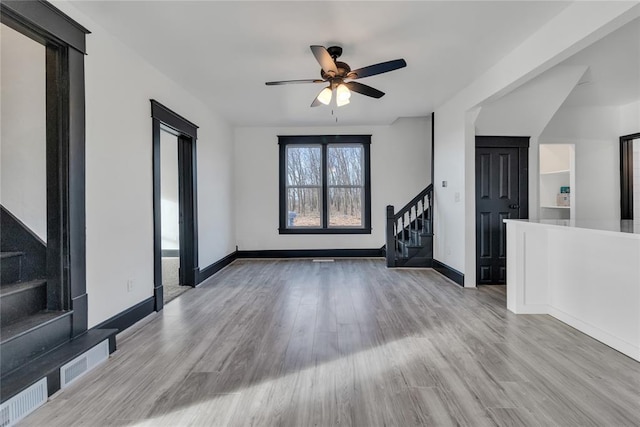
324, 184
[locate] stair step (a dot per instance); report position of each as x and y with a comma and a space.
31, 336
4, 255
13, 288
20, 300
417, 261
10, 267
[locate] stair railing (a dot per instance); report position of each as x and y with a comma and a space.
406, 219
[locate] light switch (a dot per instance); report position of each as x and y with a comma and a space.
444, 183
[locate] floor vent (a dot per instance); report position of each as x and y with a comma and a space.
83, 363
24, 403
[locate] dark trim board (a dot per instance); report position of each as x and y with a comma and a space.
41, 16
128, 317
212, 269
313, 253
433, 145
186, 132
173, 120
502, 141
64, 42
448, 272
49, 364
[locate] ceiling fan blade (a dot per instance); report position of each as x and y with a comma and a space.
380, 68
364, 89
287, 82
324, 59
315, 102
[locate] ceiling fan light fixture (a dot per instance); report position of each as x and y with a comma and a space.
343, 93
325, 96
341, 102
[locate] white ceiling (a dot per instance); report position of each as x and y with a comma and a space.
223, 52
613, 77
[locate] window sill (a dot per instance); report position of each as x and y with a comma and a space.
324, 230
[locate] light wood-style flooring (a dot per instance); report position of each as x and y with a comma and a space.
350, 343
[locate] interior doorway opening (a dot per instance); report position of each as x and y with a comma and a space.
170, 215
174, 204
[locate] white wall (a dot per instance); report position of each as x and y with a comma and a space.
400, 169
630, 118
169, 214
119, 85
23, 189
554, 158
577, 26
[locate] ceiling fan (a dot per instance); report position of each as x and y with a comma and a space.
336, 73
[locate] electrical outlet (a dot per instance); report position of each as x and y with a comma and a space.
457, 197
130, 285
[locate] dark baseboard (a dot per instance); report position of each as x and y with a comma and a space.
449, 272
128, 317
173, 253
49, 364
210, 270
313, 253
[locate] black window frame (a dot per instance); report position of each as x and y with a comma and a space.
324, 141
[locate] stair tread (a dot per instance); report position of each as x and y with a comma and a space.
24, 324
4, 255
14, 288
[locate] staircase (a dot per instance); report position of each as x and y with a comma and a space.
36, 343
410, 232
27, 328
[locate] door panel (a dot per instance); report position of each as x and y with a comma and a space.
497, 198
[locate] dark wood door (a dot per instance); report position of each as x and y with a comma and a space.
499, 176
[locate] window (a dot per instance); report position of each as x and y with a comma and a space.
325, 184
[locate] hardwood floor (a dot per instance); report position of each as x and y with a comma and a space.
297, 343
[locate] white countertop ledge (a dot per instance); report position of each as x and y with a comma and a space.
627, 228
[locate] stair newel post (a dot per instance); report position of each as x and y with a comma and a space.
391, 237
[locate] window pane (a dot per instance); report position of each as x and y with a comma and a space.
344, 164
304, 165
345, 207
303, 207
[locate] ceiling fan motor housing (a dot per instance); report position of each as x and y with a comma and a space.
343, 70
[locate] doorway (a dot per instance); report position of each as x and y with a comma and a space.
557, 181
502, 192
173, 284
174, 204
630, 177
